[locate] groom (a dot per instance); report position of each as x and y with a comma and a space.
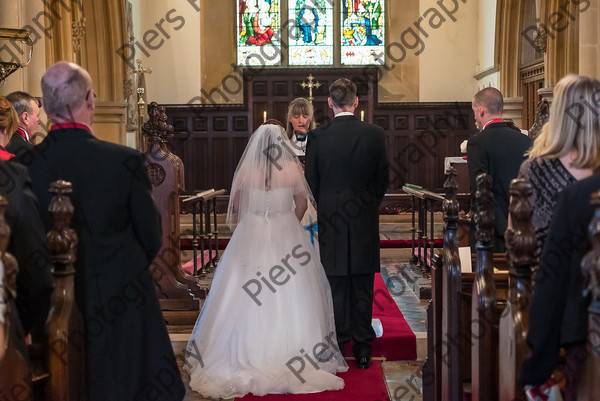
347, 170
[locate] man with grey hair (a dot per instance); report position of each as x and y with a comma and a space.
497, 150
348, 172
28, 110
128, 350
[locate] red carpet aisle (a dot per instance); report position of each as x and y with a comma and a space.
398, 342
360, 385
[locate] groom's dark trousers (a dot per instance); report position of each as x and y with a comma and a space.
348, 173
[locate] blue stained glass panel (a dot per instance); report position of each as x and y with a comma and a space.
310, 32
362, 32
259, 32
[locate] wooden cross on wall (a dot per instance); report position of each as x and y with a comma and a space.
310, 85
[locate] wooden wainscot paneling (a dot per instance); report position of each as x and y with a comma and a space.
210, 138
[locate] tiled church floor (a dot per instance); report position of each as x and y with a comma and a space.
403, 378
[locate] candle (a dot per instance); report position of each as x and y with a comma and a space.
264, 116
362, 115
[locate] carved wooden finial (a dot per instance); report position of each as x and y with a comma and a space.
156, 128
62, 239
542, 114
450, 205
520, 240
590, 265
484, 217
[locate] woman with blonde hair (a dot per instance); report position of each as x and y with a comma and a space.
567, 150
300, 121
9, 122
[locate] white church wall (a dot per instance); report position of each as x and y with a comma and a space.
168, 42
451, 51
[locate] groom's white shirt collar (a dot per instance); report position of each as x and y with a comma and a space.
344, 113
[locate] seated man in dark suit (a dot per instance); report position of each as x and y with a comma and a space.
497, 150
28, 245
28, 111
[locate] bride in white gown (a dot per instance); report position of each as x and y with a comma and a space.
267, 325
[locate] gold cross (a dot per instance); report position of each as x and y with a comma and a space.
140, 73
310, 85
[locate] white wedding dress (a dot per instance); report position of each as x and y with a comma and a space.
267, 325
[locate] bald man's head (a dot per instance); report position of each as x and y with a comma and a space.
65, 89
491, 99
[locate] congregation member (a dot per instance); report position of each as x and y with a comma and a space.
558, 317
9, 121
348, 172
497, 150
118, 225
28, 110
566, 151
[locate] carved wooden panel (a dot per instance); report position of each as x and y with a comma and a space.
220, 124
382, 121
240, 123
199, 124
280, 88
400, 122
259, 88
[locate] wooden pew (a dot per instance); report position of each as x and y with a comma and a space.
54, 371
461, 309
514, 322
66, 339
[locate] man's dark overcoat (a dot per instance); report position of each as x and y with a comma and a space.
498, 151
129, 354
348, 172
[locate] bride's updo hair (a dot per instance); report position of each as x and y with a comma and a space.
273, 121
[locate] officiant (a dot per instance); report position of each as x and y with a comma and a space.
299, 122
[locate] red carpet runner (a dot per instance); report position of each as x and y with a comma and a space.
398, 342
360, 385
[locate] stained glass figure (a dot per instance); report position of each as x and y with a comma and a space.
310, 32
259, 32
363, 32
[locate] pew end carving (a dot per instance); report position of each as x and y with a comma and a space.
178, 291
521, 246
66, 339
53, 370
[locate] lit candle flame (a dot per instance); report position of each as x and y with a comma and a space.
362, 115
264, 116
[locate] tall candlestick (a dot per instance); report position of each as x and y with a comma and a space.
264, 116
362, 115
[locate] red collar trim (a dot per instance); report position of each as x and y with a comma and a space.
23, 134
494, 121
56, 126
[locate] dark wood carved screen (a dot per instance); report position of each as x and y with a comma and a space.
210, 138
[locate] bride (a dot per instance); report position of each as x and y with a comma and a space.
267, 325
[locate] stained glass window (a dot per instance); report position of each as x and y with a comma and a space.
310, 27
362, 32
259, 32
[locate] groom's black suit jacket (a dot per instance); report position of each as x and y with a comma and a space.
348, 173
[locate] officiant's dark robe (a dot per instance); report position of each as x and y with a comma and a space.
129, 354
348, 172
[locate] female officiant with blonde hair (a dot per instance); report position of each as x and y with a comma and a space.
299, 122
